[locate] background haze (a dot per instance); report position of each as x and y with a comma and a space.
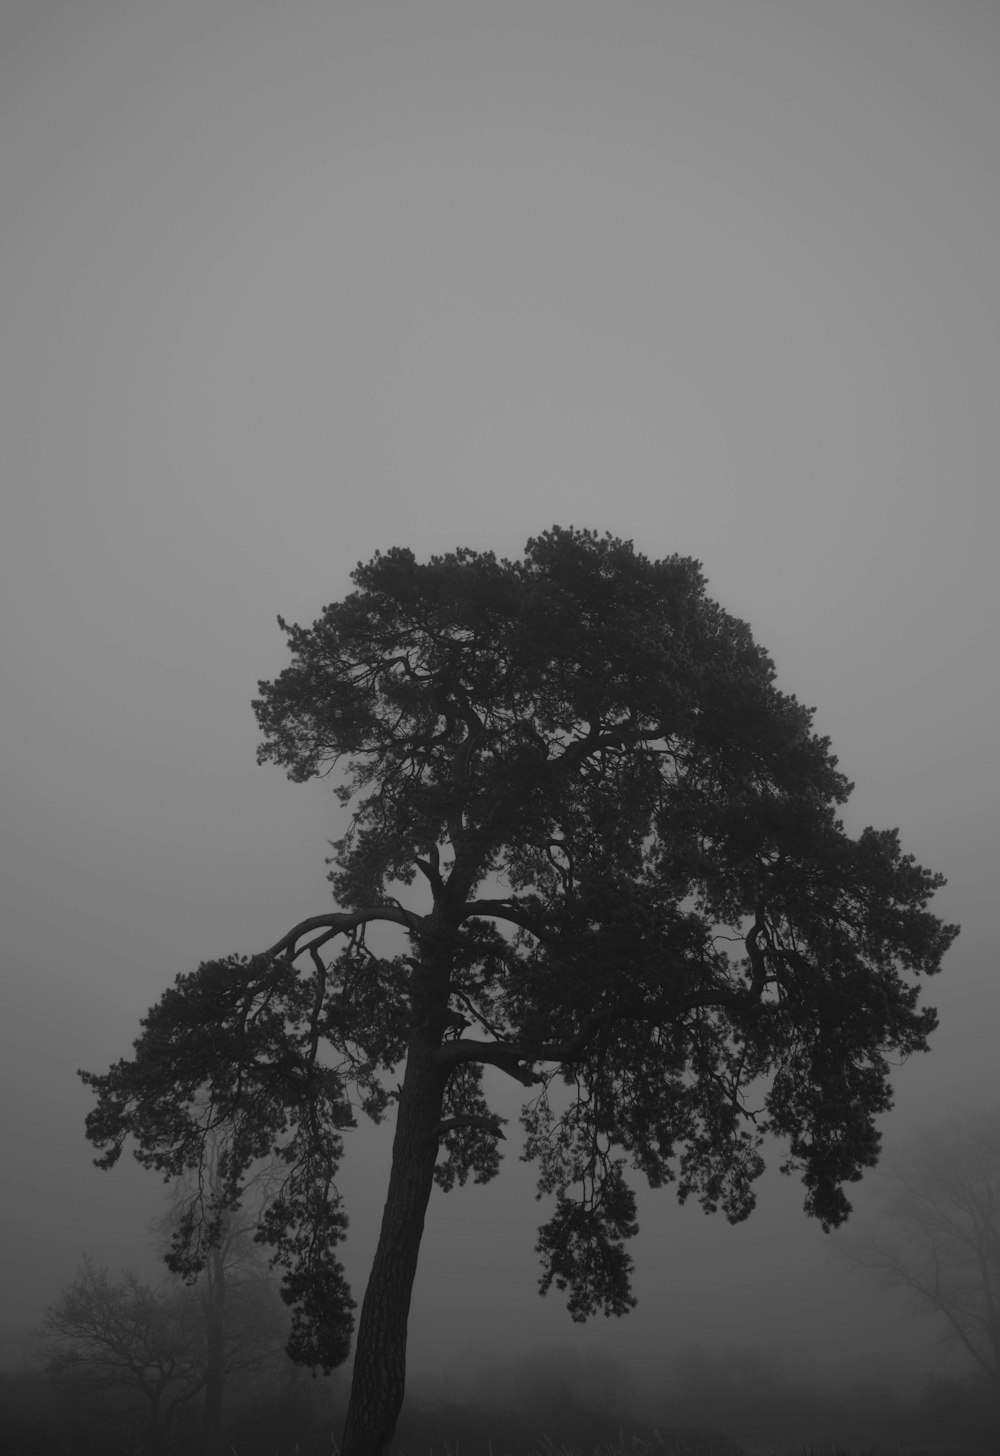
282, 285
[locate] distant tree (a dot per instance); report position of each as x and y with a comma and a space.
242, 1326
636, 884
936, 1233
126, 1337
167, 1348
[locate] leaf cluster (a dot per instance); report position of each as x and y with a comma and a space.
244, 1060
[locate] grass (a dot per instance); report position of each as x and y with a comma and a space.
671, 1446
695, 1444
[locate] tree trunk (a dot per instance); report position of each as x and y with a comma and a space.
380, 1350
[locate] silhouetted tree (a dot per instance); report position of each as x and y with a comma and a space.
242, 1325
937, 1232
635, 882
125, 1336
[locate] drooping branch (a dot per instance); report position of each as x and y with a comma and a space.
338, 923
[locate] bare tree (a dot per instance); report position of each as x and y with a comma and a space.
125, 1336
937, 1232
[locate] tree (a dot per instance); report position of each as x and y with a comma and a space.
126, 1336
634, 883
241, 1324
172, 1345
937, 1232
242, 1332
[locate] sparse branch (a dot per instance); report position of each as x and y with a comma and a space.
488, 1124
937, 1232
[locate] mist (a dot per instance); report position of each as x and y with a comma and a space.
286, 285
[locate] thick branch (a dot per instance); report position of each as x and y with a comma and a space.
431, 868
503, 910
757, 962
339, 922
595, 742
518, 1059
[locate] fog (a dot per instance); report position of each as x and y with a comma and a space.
282, 285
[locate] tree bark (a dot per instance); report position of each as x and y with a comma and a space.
380, 1351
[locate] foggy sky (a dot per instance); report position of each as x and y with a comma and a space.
282, 285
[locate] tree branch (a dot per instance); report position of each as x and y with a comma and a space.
758, 964
503, 910
488, 1124
431, 869
339, 922
595, 741
517, 1059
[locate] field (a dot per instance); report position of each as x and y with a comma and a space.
526, 1418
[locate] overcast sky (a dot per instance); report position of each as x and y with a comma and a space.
282, 284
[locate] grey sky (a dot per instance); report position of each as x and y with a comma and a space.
281, 285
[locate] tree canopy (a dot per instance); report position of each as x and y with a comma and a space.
632, 882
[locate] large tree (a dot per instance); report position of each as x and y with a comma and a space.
633, 883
